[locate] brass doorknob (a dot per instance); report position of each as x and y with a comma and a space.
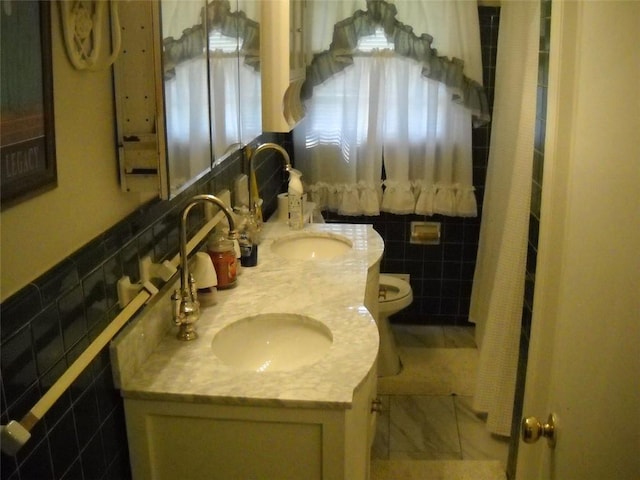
532, 429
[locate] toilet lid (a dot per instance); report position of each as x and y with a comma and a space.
393, 288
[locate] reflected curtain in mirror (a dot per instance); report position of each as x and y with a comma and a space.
210, 56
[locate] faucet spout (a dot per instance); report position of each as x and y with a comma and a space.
252, 155
186, 308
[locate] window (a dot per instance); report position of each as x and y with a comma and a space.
388, 102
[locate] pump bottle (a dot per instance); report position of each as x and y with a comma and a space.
295, 191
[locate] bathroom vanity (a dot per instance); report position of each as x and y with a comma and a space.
191, 414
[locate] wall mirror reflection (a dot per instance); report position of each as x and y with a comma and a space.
211, 83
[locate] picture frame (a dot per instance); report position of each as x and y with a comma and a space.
27, 130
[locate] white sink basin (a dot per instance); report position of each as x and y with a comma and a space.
272, 342
311, 246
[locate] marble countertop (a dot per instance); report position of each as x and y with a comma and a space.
330, 291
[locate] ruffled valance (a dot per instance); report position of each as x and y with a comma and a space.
353, 199
219, 18
400, 198
380, 13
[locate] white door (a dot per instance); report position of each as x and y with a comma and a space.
584, 359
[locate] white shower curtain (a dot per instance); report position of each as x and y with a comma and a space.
498, 286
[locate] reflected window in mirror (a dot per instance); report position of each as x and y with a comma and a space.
249, 69
211, 82
186, 91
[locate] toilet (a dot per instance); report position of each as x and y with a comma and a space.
394, 294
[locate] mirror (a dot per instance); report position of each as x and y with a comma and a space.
249, 69
211, 83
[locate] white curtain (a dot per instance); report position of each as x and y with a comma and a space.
235, 95
383, 107
249, 86
498, 285
187, 121
203, 103
225, 99
189, 117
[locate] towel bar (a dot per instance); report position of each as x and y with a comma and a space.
15, 434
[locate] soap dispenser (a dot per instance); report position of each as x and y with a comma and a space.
295, 191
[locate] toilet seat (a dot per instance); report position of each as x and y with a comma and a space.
394, 294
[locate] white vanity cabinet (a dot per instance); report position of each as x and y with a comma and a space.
191, 416
283, 55
175, 440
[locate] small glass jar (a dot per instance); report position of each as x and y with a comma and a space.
249, 251
223, 256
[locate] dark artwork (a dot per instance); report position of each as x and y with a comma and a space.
27, 148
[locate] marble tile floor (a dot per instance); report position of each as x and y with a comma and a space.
427, 429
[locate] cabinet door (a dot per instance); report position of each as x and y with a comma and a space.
176, 440
282, 63
297, 43
234, 448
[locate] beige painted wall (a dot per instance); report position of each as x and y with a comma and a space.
39, 233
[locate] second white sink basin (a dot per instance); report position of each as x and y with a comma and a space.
311, 246
272, 342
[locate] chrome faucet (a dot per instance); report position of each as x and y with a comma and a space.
186, 308
253, 154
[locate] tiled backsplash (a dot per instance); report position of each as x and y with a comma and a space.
51, 321
441, 275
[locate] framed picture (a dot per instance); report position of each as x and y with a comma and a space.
27, 140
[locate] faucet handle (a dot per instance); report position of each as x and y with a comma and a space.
176, 302
186, 311
193, 288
